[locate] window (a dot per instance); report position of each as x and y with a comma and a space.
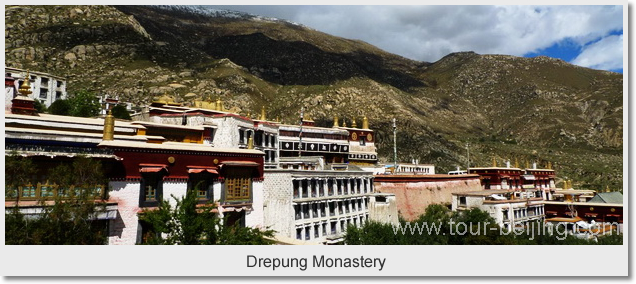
237, 188
362, 140
44, 93
151, 189
462, 201
58, 95
59, 84
297, 211
201, 183
241, 136
299, 233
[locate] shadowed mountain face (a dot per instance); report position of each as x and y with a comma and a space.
528, 109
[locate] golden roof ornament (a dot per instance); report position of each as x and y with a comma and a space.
263, 113
494, 162
25, 89
365, 122
218, 104
344, 123
335, 121
353, 123
527, 164
549, 165
516, 163
109, 126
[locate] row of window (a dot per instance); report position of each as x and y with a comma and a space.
521, 213
329, 208
307, 188
237, 187
327, 228
46, 190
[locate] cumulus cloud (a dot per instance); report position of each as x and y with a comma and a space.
605, 54
427, 33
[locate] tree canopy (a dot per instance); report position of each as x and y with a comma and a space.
189, 224
439, 226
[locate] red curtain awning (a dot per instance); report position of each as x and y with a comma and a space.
202, 169
240, 163
152, 168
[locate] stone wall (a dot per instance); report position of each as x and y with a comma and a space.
277, 207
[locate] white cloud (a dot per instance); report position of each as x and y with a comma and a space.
606, 54
428, 33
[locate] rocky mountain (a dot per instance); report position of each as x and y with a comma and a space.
528, 109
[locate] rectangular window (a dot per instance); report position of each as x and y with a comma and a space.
238, 184
333, 228
296, 185
299, 233
297, 212
151, 189
316, 231
201, 184
462, 201
44, 93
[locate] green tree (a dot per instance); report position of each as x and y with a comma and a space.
84, 104
60, 107
120, 111
187, 224
68, 220
39, 107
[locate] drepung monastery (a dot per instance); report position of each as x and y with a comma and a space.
307, 183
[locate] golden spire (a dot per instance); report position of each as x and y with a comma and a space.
278, 119
494, 162
344, 123
250, 143
549, 165
263, 113
607, 189
353, 123
218, 104
335, 121
365, 122
109, 126
25, 89
516, 163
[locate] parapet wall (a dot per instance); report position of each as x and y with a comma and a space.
416, 192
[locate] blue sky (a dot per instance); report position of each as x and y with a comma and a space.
586, 35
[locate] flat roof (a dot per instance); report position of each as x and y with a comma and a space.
141, 138
71, 120
165, 125
484, 192
190, 147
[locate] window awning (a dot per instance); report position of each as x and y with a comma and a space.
528, 177
152, 168
202, 169
240, 163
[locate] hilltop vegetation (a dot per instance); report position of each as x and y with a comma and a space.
532, 109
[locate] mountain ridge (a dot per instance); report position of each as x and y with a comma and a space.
533, 109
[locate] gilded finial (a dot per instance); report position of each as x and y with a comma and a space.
25, 89
344, 122
109, 126
250, 143
353, 123
494, 162
263, 113
516, 163
365, 122
549, 165
335, 121
218, 104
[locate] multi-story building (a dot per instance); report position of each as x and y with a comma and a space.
509, 208
45, 87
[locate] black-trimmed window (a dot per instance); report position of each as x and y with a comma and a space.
201, 185
151, 189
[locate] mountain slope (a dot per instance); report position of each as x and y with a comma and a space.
525, 108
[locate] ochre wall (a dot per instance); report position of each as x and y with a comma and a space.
413, 194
